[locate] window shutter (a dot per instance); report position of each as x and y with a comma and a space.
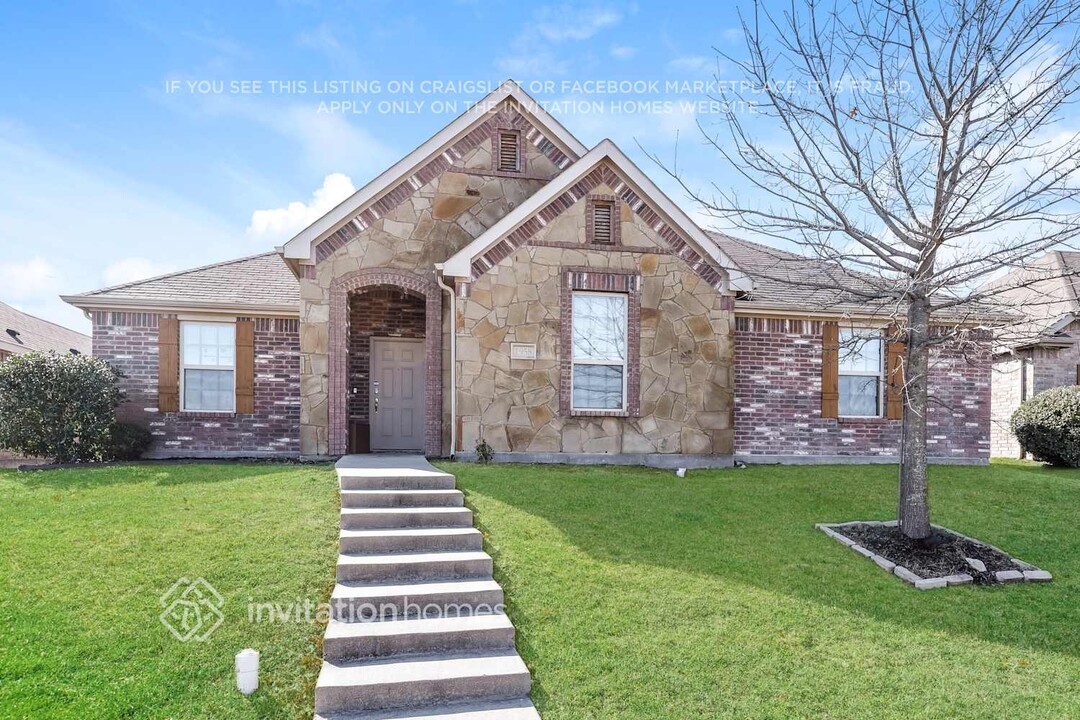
894, 377
508, 152
1078, 374
168, 364
830, 358
602, 234
245, 366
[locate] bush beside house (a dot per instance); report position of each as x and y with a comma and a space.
63, 407
1048, 426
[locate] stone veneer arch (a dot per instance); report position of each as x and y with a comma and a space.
338, 353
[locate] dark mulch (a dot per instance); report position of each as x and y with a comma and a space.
940, 555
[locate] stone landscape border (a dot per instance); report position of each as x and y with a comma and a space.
1026, 572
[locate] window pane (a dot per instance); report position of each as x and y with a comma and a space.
208, 390
598, 387
212, 345
599, 325
858, 395
860, 351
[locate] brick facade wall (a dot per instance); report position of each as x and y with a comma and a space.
1023, 374
377, 312
778, 399
128, 341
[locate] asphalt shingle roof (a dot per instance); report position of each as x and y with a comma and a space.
257, 280
21, 333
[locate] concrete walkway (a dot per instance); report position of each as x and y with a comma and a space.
418, 628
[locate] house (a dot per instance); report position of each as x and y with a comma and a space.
1041, 351
505, 283
21, 333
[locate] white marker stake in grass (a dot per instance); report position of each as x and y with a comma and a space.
247, 671
681, 472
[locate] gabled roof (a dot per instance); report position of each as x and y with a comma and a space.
22, 333
460, 264
299, 247
259, 283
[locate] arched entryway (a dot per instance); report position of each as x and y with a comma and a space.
385, 342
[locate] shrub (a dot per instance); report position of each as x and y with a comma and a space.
1048, 426
484, 452
58, 406
129, 441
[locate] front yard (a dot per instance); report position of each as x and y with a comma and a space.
636, 594
640, 595
86, 554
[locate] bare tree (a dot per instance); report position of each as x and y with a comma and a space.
919, 148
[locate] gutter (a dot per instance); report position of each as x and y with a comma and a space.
88, 303
453, 357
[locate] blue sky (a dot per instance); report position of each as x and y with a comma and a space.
114, 167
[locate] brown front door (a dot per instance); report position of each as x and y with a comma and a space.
397, 394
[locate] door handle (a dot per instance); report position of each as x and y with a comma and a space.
375, 394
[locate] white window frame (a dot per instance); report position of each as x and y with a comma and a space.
184, 324
625, 362
869, 334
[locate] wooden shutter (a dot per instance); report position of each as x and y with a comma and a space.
245, 366
894, 378
602, 212
1078, 374
508, 151
168, 364
830, 380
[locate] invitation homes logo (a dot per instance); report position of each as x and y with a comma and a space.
192, 609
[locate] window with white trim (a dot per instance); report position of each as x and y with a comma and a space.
861, 371
598, 351
208, 366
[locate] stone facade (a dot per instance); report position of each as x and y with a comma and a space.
428, 217
682, 328
778, 399
1023, 374
128, 341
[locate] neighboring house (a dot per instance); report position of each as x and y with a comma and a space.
1042, 351
21, 333
505, 283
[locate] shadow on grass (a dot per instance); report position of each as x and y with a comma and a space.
158, 473
756, 526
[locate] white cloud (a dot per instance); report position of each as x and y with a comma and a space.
691, 63
567, 22
277, 225
28, 279
623, 52
534, 55
132, 269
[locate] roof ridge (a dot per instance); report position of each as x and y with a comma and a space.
713, 233
41, 319
176, 273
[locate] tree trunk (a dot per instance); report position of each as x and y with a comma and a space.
914, 506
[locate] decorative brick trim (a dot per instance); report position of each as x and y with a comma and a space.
602, 174
435, 167
567, 245
127, 319
616, 220
339, 360
614, 281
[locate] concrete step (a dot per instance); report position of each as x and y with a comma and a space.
407, 567
502, 710
361, 518
421, 681
353, 602
346, 641
411, 540
386, 479
401, 498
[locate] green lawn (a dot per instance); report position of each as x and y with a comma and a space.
85, 555
636, 594
640, 595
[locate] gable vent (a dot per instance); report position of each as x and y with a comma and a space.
508, 152
602, 223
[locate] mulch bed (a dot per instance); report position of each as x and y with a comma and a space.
940, 555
